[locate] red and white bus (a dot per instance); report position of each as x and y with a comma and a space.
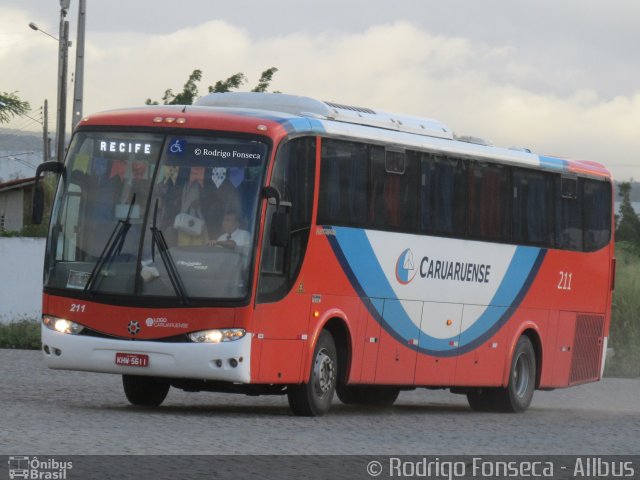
274, 244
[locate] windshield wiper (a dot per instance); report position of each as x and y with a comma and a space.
157, 238
111, 248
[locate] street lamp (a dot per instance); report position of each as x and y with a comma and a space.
35, 27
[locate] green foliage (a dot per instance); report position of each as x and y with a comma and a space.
11, 105
23, 334
265, 80
190, 89
232, 83
628, 225
624, 336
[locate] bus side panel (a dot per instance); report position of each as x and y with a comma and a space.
549, 350
573, 281
564, 348
397, 361
443, 319
367, 342
281, 327
484, 365
280, 361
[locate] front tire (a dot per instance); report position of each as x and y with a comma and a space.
314, 398
145, 391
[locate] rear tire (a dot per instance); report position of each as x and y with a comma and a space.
145, 391
517, 396
314, 398
367, 395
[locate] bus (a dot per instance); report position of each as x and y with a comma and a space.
261, 243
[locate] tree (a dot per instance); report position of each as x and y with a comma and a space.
628, 228
11, 105
190, 89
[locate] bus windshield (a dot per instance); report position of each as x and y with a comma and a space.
156, 215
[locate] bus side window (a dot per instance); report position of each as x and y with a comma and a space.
532, 208
343, 183
597, 214
293, 176
393, 185
568, 214
449, 196
488, 202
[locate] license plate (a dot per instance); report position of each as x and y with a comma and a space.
132, 359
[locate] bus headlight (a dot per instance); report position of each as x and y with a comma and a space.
217, 335
61, 325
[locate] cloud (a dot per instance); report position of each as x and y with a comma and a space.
478, 89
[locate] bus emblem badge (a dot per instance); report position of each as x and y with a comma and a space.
405, 267
133, 327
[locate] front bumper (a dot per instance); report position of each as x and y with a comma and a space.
202, 361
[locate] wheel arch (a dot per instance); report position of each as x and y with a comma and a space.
531, 331
337, 325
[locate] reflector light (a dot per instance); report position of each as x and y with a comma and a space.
262, 128
181, 120
157, 120
169, 120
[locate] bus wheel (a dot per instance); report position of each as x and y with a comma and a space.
145, 391
517, 396
314, 398
367, 395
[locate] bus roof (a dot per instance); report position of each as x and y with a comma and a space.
305, 115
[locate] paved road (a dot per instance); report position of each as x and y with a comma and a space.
47, 412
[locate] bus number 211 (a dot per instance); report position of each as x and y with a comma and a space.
565, 281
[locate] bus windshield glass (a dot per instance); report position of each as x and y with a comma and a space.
156, 215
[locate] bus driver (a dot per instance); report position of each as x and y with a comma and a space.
232, 237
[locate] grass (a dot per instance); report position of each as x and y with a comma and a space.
624, 336
23, 334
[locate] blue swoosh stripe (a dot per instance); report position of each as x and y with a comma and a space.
359, 262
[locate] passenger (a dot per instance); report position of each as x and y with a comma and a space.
232, 237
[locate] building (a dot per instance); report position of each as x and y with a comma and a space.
15, 202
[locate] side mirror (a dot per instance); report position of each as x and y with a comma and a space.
281, 218
280, 229
37, 211
271, 192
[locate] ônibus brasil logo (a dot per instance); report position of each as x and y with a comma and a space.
405, 267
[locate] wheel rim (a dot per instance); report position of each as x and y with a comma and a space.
521, 375
323, 373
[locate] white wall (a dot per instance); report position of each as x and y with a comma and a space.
21, 264
12, 207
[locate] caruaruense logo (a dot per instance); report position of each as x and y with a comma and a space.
405, 267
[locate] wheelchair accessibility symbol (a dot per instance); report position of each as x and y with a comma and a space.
177, 146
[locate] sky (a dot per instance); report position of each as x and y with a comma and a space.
559, 77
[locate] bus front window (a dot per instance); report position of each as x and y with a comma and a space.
156, 216
202, 218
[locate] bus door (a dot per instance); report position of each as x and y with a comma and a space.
282, 311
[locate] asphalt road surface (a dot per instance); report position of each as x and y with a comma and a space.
48, 412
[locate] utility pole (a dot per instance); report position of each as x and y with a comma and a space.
79, 76
45, 132
63, 54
